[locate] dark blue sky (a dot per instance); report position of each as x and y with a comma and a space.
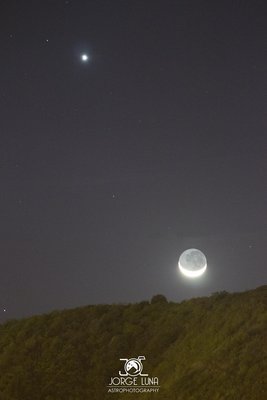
111, 168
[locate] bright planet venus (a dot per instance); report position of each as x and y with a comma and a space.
84, 57
192, 263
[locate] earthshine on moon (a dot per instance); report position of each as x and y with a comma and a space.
192, 263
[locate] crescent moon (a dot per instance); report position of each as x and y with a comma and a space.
192, 274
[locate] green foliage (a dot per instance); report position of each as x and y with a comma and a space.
158, 298
211, 348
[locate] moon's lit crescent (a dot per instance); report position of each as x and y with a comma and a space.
192, 274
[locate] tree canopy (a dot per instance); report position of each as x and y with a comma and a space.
205, 348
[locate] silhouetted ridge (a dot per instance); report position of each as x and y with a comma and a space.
206, 348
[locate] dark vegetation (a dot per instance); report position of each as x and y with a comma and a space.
206, 348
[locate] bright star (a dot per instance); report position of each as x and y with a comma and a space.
84, 57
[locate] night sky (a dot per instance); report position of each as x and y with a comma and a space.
112, 166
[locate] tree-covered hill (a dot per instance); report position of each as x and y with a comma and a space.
207, 348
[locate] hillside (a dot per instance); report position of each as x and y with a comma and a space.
206, 348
